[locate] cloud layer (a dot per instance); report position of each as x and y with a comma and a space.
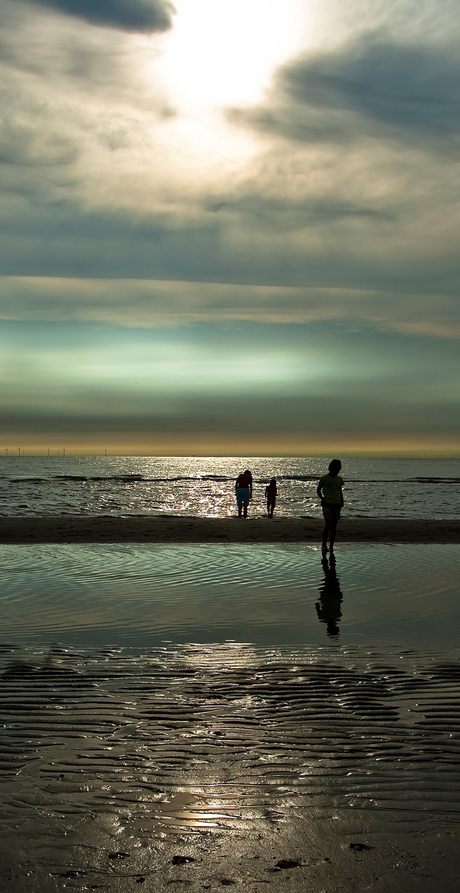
137, 303
330, 204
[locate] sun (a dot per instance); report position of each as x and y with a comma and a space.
221, 53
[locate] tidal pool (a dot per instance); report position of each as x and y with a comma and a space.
149, 595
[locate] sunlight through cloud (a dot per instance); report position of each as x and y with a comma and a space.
219, 54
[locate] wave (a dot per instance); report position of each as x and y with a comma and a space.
218, 478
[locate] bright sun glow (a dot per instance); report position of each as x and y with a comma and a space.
221, 53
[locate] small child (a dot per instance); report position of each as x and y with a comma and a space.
270, 495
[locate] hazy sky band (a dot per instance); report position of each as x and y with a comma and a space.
224, 219
195, 380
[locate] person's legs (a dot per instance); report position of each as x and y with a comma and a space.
242, 498
327, 528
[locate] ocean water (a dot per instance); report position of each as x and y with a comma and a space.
196, 486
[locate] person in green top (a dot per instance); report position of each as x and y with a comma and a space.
329, 491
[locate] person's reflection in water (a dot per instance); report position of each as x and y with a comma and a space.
330, 597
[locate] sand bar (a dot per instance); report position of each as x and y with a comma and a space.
170, 528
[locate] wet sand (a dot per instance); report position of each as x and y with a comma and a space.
207, 767
169, 528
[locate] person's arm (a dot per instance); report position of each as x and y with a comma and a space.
341, 497
318, 490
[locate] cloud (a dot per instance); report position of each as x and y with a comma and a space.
98, 181
72, 99
293, 214
154, 304
128, 15
370, 86
402, 86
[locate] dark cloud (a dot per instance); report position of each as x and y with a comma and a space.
129, 15
276, 212
209, 418
398, 85
372, 86
60, 239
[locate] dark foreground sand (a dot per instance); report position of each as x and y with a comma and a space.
169, 528
211, 767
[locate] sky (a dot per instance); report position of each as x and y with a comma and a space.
230, 228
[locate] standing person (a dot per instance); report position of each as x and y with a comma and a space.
243, 491
329, 491
270, 495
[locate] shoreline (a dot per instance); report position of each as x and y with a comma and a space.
170, 528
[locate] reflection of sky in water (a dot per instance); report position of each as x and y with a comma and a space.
265, 594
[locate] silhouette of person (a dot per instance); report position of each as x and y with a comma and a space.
329, 491
243, 492
330, 597
270, 494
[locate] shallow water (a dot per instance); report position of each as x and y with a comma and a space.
276, 595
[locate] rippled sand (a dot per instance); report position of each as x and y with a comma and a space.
207, 766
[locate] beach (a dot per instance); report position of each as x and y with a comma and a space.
170, 528
197, 767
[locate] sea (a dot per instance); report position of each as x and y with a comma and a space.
55, 486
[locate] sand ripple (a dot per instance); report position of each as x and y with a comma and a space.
227, 737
